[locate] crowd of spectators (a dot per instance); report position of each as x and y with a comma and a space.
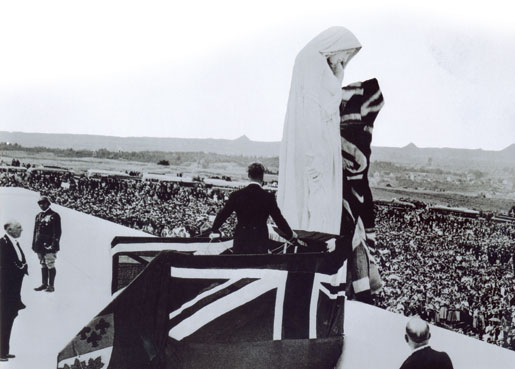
455, 272
452, 271
159, 208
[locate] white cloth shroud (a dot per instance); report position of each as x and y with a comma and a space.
310, 165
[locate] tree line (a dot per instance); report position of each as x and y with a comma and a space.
164, 158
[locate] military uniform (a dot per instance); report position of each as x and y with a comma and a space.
47, 233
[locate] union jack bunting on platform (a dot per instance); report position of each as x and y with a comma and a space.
221, 311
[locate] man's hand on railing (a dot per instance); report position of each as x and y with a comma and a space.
331, 245
296, 240
214, 235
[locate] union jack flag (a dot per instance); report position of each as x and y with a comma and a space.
359, 108
230, 311
273, 290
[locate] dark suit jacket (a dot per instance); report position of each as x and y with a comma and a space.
253, 206
427, 358
47, 232
12, 271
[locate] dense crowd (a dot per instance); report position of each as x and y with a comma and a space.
159, 208
455, 272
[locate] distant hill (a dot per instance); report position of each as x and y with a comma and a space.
410, 154
239, 146
447, 157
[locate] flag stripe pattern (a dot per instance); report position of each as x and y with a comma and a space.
191, 311
360, 106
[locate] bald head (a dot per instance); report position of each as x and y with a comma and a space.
13, 228
417, 331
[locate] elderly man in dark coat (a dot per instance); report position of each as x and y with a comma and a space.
13, 267
423, 356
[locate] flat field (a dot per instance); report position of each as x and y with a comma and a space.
487, 191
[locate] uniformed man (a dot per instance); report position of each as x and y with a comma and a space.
47, 233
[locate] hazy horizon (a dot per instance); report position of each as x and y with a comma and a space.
223, 70
237, 138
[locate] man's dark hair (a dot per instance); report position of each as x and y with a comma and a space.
256, 171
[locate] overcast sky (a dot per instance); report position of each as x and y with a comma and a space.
222, 69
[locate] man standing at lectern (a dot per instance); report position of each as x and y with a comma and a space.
253, 205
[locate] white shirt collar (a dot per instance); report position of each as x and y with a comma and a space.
420, 348
256, 183
12, 239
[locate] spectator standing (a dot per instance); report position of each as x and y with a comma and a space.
423, 356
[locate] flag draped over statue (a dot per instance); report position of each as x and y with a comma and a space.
361, 103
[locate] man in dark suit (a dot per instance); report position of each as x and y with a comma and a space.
47, 233
13, 267
423, 356
253, 205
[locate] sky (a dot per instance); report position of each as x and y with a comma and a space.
222, 69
